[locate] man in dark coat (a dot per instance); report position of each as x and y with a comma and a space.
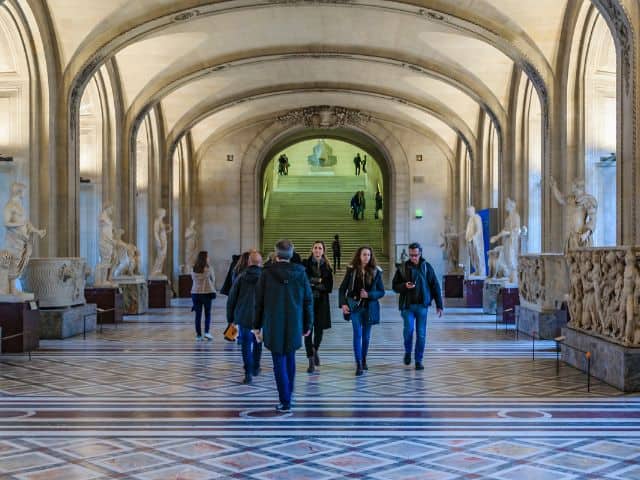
418, 286
336, 248
241, 310
357, 161
284, 313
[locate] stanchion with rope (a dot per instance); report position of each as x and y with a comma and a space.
561, 340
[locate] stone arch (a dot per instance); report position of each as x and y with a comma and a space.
256, 155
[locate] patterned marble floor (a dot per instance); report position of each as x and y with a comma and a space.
146, 401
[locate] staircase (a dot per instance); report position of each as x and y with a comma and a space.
308, 208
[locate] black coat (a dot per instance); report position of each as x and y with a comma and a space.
242, 297
408, 272
375, 290
284, 306
321, 286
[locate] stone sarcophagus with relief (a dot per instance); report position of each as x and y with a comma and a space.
604, 298
543, 280
56, 282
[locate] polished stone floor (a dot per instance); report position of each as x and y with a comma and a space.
145, 401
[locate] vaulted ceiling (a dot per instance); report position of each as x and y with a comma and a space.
212, 65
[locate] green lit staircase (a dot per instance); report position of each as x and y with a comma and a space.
309, 208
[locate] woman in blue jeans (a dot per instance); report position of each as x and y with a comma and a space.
202, 294
360, 291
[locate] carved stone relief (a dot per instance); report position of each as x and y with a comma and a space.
604, 297
543, 281
325, 116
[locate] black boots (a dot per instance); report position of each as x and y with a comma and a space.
359, 370
247, 379
312, 367
364, 363
316, 358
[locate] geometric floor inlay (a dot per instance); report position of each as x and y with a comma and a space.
145, 401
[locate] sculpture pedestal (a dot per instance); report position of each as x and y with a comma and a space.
546, 325
508, 299
612, 363
16, 318
453, 285
160, 293
106, 298
59, 323
490, 291
135, 296
473, 292
185, 283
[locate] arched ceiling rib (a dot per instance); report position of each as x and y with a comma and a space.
479, 20
423, 109
453, 74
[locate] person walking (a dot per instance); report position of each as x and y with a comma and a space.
202, 294
364, 164
283, 315
416, 282
241, 309
378, 204
360, 291
357, 161
336, 249
321, 278
361, 204
355, 205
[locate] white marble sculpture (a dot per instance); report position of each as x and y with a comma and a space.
104, 267
126, 260
57, 282
605, 292
20, 236
580, 214
450, 246
190, 246
160, 231
510, 235
475, 243
543, 281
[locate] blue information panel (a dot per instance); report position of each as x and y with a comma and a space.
489, 218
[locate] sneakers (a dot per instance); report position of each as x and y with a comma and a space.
208, 336
407, 358
282, 408
198, 338
419, 366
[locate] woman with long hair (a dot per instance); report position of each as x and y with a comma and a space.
321, 278
202, 293
360, 291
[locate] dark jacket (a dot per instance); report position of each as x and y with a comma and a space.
228, 280
321, 285
430, 288
284, 306
375, 290
242, 297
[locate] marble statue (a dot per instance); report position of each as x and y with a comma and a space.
160, 231
510, 235
475, 242
580, 214
19, 238
450, 246
125, 258
495, 261
104, 267
190, 247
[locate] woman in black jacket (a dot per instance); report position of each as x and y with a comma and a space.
321, 278
360, 291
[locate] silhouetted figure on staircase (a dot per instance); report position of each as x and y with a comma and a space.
357, 161
336, 247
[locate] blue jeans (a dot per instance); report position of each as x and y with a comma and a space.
202, 301
415, 315
361, 334
284, 369
251, 350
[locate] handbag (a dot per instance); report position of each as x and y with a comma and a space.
231, 332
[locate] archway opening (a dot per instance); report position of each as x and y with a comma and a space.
309, 182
